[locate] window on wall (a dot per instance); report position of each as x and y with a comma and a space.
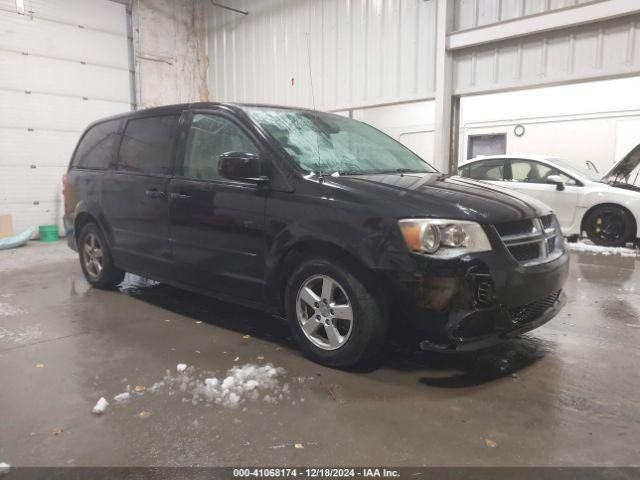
494, 144
209, 137
148, 145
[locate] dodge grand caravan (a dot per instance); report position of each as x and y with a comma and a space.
314, 216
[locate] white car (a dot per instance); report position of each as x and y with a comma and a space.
605, 207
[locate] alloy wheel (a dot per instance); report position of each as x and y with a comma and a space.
92, 255
324, 312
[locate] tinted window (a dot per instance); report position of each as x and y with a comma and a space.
533, 172
97, 147
209, 137
147, 145
487, 170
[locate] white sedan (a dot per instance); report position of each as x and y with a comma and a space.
606, 208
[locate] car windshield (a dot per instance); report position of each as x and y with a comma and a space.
572, 169
327, 143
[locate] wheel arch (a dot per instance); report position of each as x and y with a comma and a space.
609, 204
309, 248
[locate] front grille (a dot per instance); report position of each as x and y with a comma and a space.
531, 241
531, 311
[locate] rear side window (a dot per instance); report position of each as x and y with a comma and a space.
148, 145
487, 170
97, 147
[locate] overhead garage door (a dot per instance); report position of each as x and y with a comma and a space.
63, 64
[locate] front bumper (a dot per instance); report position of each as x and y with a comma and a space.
480, 300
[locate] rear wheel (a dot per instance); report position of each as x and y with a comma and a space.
335, 319
610, 226
95, 259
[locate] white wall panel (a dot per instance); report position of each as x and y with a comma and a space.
362, 52
600, 50
47, 38
53, 76
476, 13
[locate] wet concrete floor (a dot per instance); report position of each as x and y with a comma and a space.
565, 394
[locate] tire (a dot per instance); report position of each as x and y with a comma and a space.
609, 226
363, 337
95, 259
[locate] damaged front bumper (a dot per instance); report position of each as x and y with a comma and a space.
481, 300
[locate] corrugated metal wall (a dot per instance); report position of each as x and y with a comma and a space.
363, 52
476, 13
598, 50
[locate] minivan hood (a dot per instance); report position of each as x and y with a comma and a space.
440, 195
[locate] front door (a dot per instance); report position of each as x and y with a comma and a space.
135, 196
530, 177
217, 225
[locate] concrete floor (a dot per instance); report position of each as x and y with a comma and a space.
566, 394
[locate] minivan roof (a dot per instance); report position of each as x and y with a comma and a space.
195, 105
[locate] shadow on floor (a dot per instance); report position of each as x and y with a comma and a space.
447, 370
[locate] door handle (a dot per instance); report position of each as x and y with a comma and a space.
155, 193
179, 196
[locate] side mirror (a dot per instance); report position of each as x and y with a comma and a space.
557, 181
244, 167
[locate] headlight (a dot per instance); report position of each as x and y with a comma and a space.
444, 238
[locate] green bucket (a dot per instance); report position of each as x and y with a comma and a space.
48, 233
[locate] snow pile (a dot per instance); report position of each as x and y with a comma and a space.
22, 334
100, 406
7, 310
248, 382
589, 248
181, 367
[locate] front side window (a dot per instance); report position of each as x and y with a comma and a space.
528, 171
97, 147
209, 137
490, 170
148, 145
326, 143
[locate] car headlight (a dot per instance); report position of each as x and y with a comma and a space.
443, 238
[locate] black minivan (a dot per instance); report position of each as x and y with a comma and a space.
315, 216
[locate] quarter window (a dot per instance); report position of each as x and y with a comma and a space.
97, 147
209, 137
147, 145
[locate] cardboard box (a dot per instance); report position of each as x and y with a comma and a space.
6, 225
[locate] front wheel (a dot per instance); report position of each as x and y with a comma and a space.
334, 317
610, 226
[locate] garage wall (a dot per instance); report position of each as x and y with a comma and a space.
596, 121
362, 52
600, 50
476, 13
63, 64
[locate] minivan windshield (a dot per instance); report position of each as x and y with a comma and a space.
327, 143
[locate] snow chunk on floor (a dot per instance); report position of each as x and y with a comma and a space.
4, 468
181, 367
122, 397
243, 383
100, 406
589, 248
